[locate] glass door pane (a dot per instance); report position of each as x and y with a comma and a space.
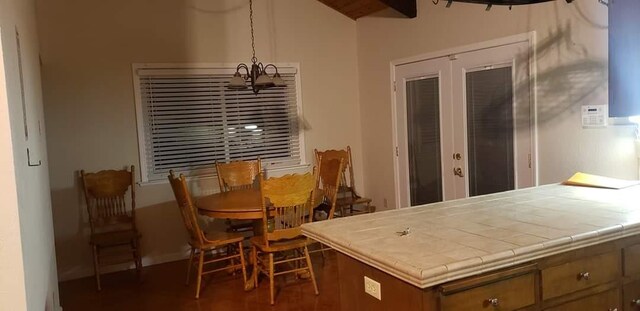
423, 133
489, 104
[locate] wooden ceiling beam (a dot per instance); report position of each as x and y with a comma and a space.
355, 9
406, 7
363, 9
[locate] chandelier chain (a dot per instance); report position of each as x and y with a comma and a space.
253, 43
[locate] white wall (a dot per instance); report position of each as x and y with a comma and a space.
87, 51
27, 256
572, 71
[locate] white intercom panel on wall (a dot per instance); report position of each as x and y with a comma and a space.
594, 116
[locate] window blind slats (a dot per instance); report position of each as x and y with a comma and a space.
206, 157
192, 143
191, 119
213, 115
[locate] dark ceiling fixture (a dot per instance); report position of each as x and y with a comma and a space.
490, 3
257, 75
507, 2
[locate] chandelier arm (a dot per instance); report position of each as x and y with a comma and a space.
243, 66
270, 65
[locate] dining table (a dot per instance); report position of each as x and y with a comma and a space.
238, 204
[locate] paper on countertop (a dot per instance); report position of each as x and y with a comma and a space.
588, 180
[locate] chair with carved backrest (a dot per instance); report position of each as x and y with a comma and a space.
202, 242
111, 218
348, 198
287, 204
328, 184
328, 180
237, 175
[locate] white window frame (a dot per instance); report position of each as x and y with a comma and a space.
224, 68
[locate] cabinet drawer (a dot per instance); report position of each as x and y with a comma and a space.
606, 301
507, 294
631, 296
580, 274
631, 260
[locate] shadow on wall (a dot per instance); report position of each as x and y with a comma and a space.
562, 88
71, 235
164, 237
73, 37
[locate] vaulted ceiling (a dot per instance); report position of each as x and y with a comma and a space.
359, 8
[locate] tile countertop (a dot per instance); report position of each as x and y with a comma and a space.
455, 239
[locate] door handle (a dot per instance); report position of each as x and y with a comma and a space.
458, 172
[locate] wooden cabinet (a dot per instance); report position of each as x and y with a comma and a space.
631, 260
580, 274
603, 277
624, 63
606, 301
631, 296
506, 294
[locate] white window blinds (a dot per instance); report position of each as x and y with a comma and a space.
191, 119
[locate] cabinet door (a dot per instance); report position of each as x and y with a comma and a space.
631, 260
510, 294
580, 274
605, 301
631, 296
624, 61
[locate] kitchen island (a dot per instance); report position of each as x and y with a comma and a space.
552, 247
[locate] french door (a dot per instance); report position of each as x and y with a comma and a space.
464, 125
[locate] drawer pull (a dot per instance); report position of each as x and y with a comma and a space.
492, 302
584, 276
613, 309
635, 302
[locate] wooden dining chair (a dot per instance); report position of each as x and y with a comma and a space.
202, 242
112, 219
237, 175
348, 199
287, 204
327, 183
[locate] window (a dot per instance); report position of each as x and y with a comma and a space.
188, 119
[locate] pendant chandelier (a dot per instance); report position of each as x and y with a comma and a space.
257, 75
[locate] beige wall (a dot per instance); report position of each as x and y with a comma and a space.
572, 71
28, 279
88, 48
87, 51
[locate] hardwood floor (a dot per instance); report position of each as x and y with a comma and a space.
162, 288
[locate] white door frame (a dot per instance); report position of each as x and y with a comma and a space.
441, 70
529, 38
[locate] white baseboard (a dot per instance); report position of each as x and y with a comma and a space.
146, 261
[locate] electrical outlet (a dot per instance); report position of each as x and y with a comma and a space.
384, 203
372, 288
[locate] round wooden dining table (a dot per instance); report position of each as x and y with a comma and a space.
237, 204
